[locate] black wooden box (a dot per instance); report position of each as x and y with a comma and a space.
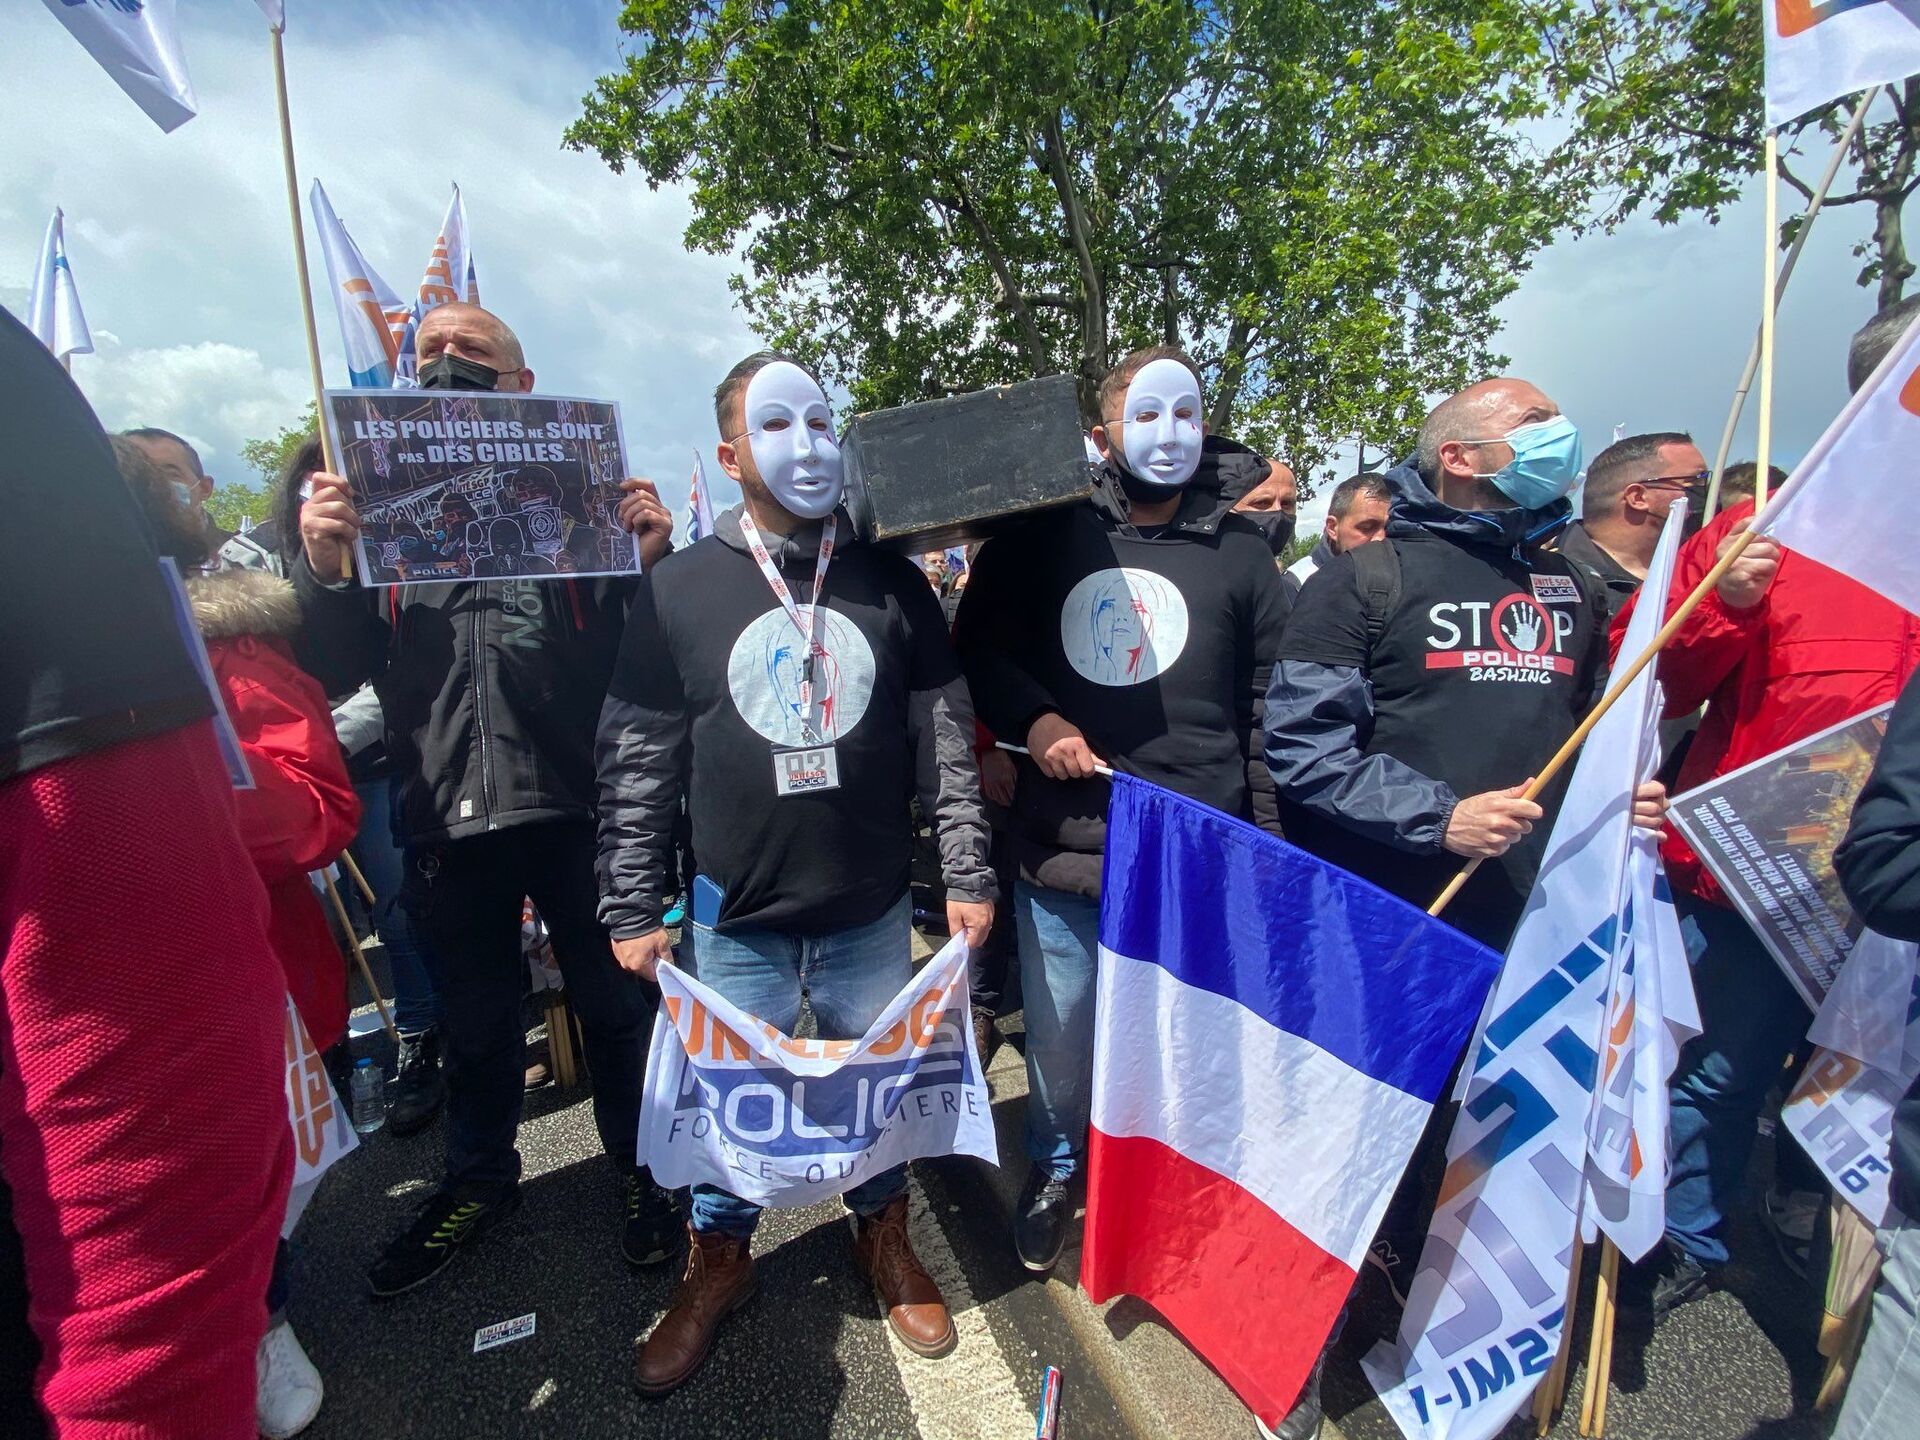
942, 472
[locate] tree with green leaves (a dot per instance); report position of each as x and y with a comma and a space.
269, 457
1323, 200
229, 504
1666, 100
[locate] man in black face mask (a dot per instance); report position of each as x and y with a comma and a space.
496, 801
1133, 630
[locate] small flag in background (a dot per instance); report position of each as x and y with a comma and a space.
1486, 1312
53, 308
1843, 504
699, 503
1270, 1037
1819, 50
139, 46
276, 13
450, 276
372, 317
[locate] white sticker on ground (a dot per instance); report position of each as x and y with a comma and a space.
504, 1333
971, 1394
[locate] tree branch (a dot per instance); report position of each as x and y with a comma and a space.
1007, 295
1093, 314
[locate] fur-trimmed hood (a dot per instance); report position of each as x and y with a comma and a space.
230, 603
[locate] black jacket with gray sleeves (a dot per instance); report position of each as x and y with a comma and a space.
705, 700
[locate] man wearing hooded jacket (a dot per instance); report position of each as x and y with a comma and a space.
1423, 681
1135, 631
798, 688
490, 691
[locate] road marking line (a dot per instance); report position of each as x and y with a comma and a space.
971, 1394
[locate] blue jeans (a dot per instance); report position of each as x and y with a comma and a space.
1059, 957
848, 977
1750, 1018
416, 996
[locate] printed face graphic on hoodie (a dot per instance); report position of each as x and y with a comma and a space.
790, 432
1123, 626
1160, 438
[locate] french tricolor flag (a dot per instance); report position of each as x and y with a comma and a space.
1271, 1036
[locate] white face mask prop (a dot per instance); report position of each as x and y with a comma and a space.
790, 431
1161, 438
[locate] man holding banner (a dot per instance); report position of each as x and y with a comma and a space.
797, 687
490, 691
1784, 648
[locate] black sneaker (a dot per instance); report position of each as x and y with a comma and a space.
419, 1089
444, 1223
1396, 1265
652, 1222
1679, 1280
1040, 1221
1304, 1421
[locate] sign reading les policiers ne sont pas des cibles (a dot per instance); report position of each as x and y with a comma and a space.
476, 485
732, 1102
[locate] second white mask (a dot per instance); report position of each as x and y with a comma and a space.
1162, 437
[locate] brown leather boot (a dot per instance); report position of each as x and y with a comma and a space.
912, 1301
718, 1281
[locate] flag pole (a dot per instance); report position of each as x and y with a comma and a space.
1764, 438
359, 955
300, 262
1780, 288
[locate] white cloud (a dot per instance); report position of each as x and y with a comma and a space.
180, 243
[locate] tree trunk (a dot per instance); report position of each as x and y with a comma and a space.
1895, 268
1233, 369
1092, 368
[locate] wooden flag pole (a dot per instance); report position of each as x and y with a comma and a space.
1553, 1387
300, 264
1593, 1404
359, 957
1780, 288
359, 880
1735, 549
1764, 436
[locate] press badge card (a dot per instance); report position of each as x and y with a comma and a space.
805, 770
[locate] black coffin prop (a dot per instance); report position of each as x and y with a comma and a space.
942, 472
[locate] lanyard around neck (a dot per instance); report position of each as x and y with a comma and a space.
810, 627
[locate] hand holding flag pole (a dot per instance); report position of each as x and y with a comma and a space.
328, 458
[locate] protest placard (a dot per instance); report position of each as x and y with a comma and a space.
479, 485
321, 1130
730, 1101
1767, 832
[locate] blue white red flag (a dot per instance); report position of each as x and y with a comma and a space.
1486, 1312
137, 42
1270, 1037
699, 502
372, 317
53, 307
730, 1101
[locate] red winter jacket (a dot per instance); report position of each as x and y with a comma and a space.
1818, 649
302, 811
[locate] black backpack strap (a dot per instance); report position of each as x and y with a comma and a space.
1376, 570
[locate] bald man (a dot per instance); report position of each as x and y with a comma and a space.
1423, 681
491, 692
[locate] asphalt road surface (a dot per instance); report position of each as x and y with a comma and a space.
811, 1356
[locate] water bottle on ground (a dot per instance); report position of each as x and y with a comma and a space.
369, 1096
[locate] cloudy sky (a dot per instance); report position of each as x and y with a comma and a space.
180, 242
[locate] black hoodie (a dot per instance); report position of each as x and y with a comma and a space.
1157, 647
1484, 665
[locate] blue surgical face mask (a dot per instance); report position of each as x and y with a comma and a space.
182, 494
1546, 462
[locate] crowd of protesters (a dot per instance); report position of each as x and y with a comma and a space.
476, 752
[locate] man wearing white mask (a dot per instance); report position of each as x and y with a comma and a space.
1134, 630
797, 688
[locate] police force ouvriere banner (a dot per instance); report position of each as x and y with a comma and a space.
732, 1102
